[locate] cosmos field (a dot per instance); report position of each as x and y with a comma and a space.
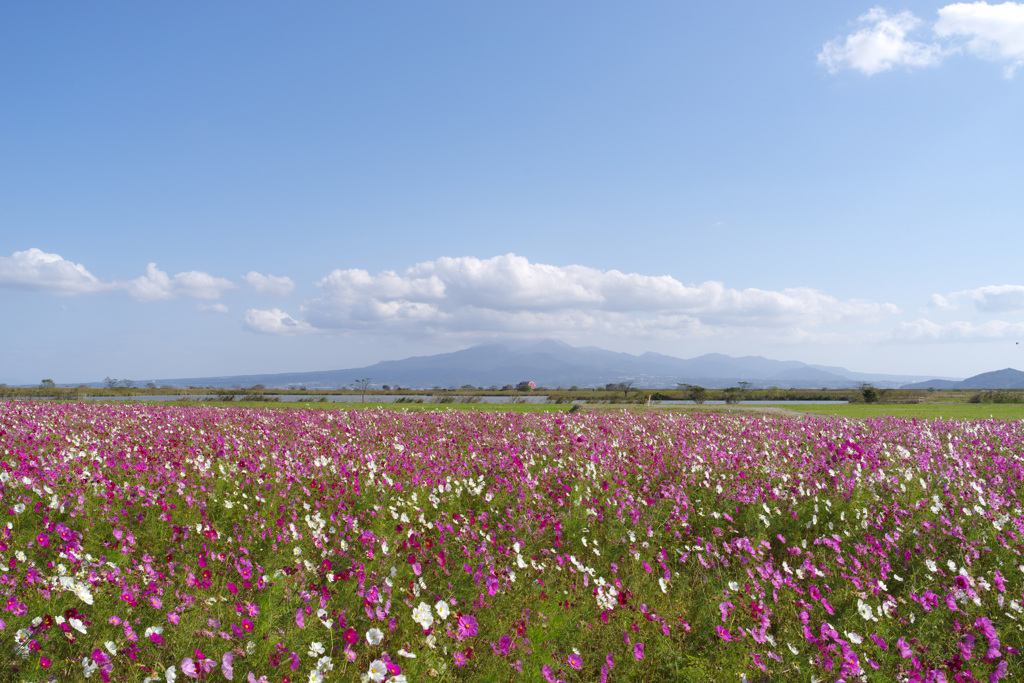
163, 543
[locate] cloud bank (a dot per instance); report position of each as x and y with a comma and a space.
509, 294
885, 41
40, 271
36, 270
987, 299
268, 284
157, 285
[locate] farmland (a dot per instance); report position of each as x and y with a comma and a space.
163, 543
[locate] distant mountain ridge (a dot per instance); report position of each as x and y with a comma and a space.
1008, 378
553, 364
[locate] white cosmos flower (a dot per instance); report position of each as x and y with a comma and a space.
316, 649
421, 615
378, 670
374, 636
442, 609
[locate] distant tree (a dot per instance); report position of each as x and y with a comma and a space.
624, 387
128, 383
110, 382
47, 384
697, 394
386, 387
733, 394
362, 385
870, 394
523, 386
151, 385
744, 385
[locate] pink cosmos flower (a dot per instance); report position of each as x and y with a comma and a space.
188, 667
467, 627
575, 661
638, 651
227, 665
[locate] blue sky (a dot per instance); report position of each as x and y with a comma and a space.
193, 189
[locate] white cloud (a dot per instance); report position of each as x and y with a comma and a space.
880, 45
987, 299
268, 284
993, 32
960, 330
214, 308
509, 293
275, 321
38, 270
157, 285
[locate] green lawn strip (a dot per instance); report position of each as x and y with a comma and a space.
930, 411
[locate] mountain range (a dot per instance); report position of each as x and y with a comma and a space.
997, 379
553, 364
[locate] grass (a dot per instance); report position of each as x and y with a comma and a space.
928, 411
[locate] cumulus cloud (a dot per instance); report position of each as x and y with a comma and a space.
509, 293
993, 32
884, 41
275, 321
879, 45
37, 270
987, 299
960, 330
268, 284
158, 285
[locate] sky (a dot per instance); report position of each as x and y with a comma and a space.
193, 189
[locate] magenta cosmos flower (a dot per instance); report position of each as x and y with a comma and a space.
467, 627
